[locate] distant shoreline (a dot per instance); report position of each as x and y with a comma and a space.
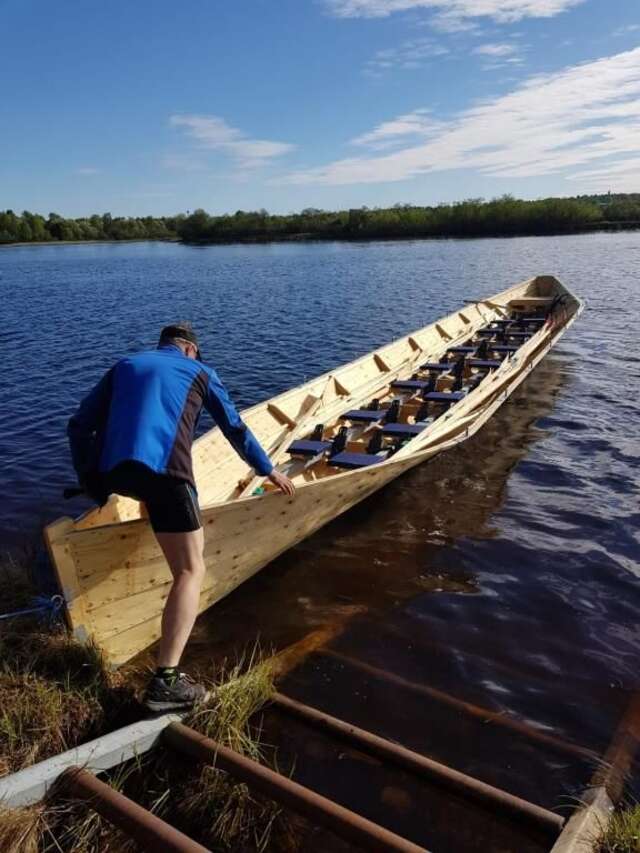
401, 238
505, 216
338, 237
87, 242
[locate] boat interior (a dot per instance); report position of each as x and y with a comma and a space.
405, 408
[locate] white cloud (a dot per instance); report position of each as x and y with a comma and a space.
499, 50
87, 171
183, 163
499, 55
401, 130
625, 31
213, 133
454, 15
627, 171
412, 53
550, 124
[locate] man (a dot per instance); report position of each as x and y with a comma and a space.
132, 436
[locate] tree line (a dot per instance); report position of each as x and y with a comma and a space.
30, 227
505, 216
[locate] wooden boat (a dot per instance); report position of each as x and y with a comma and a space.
340, 437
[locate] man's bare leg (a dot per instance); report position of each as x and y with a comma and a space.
184, 553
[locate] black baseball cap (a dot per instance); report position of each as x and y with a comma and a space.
181, 330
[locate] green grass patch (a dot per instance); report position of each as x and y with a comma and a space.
622, 835
54, 693
227, 813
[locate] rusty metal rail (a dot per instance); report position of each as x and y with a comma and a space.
149, 831
483, 714
467, 786
152, 833
346, 824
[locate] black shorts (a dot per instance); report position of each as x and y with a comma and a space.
172, 504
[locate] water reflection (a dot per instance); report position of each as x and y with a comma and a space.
403, 541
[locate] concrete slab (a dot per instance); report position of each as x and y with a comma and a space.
30, 785
587, 823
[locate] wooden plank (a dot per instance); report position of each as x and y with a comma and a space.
280, 416
57, 541
120, 646
381, 363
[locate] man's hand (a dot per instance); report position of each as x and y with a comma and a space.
282, 482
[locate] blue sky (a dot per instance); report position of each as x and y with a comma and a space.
157, 107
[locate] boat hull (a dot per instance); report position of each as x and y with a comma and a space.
110, 568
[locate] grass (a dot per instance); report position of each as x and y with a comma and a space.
63, 823
622, 835
204, 801
21, 829
227, 812
56, 694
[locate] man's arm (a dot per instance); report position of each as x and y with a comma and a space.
220, 407
84, 425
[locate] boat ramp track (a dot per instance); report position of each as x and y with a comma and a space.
76, 771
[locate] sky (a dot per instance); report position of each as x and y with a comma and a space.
155, 108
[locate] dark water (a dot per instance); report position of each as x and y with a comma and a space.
505, 573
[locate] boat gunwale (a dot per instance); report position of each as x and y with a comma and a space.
329, 374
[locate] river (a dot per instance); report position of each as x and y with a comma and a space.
505, 573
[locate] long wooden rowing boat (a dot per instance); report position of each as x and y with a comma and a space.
340, 437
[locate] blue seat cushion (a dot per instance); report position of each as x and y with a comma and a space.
518, 334
462, 349
436, 365
409, 384
403, 429
484, 363
487, 333
502, 322
370, 415
304, 447
444, 396
355, 460
539, 320
502, 348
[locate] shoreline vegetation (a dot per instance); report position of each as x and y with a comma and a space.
56, 694
501, 217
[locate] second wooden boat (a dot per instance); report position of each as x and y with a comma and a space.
340, 437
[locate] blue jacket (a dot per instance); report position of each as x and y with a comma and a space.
146, 408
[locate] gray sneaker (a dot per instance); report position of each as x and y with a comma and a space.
180, 695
